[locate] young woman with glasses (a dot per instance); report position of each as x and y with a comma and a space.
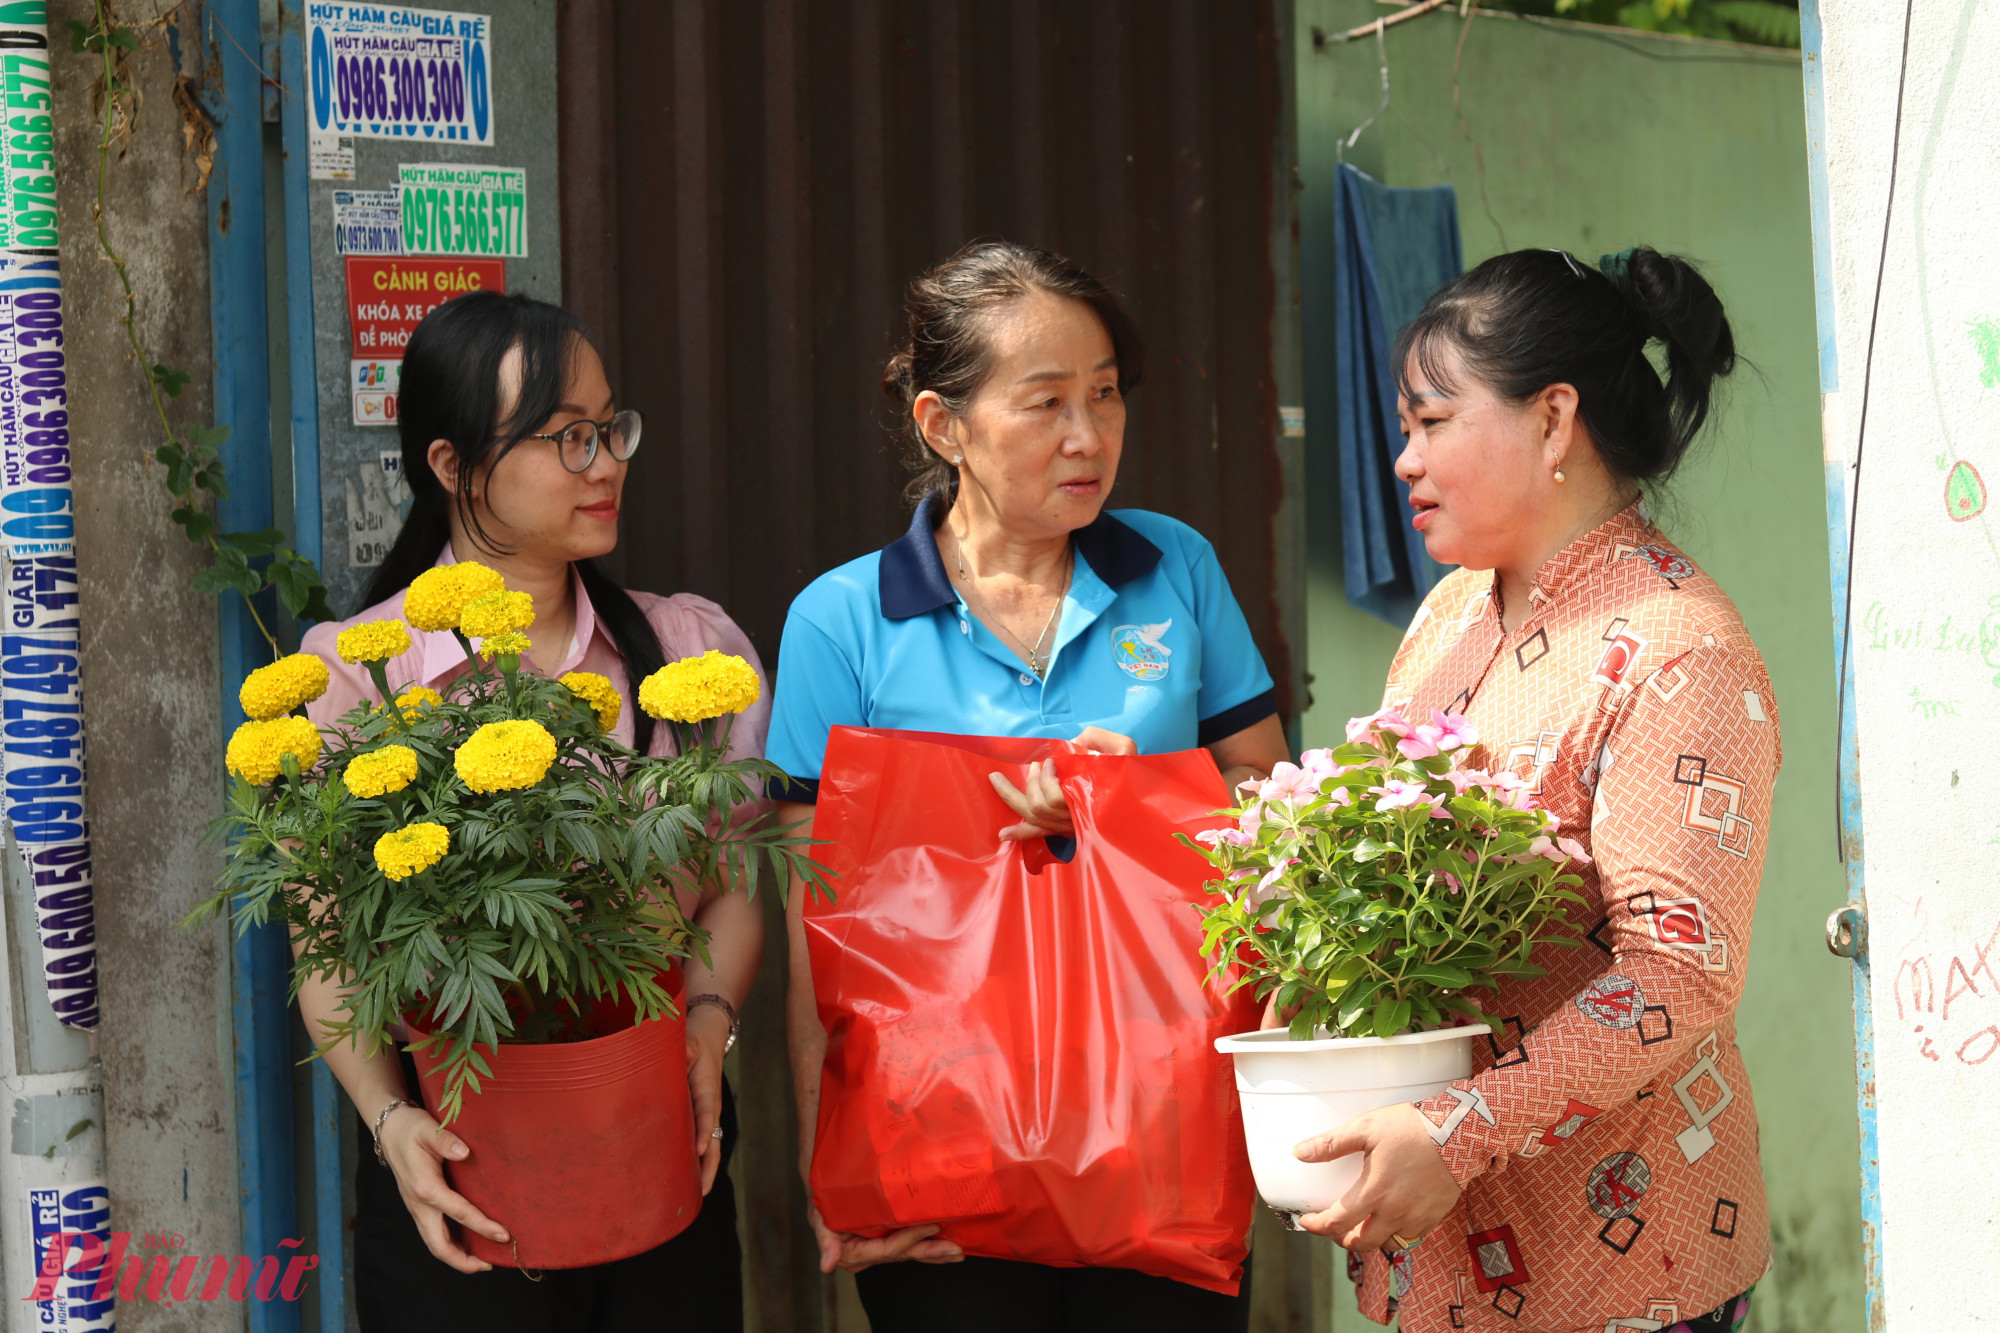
516, 454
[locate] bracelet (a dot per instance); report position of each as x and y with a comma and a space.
728, 1009
380, 1116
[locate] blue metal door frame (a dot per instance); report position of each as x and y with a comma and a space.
261, 958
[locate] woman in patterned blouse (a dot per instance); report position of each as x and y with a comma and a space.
1599, 1171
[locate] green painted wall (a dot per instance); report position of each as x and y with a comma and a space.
1592, 140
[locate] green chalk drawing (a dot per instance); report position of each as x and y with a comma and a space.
1986, 341
1964, 492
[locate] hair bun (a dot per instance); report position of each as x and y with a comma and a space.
1677, 306
899, 377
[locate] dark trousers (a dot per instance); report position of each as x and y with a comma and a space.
1005, 1296
691, 1284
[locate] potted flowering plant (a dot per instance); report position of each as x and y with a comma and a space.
492, 869
1370, 890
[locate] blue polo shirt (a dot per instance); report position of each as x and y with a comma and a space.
1151, 644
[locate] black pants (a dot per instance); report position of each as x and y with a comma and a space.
691, 1284
1005, 1296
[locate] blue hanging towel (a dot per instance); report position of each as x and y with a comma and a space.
1392, 249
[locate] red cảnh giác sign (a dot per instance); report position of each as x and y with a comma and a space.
387, 297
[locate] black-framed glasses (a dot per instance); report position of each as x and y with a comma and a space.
576, 444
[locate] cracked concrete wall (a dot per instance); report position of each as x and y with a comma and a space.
150, 669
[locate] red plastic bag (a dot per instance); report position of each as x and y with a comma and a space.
1018, 1047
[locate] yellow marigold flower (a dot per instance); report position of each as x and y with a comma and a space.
513, 643
391, 768
288, 683
695, 689
412, 701
374, 641
599, 693
412, 848
495, 613
256, 752
437, 597
505, 756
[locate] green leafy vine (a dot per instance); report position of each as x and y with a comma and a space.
242, 562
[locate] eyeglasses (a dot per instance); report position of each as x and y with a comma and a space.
576, 443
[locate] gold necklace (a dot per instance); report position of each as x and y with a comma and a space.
1034, 651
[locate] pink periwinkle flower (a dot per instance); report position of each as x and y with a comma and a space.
1454, 731
1574, 850
1464, 780
1340, 796
1420, 744
1320, 764
1452, 880
1397, 794
1387, 721
1216, 837
1289, 783
1272, 885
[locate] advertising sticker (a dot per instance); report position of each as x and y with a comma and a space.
391, 72
387, 297
367, 222
36, 517
373, 386
464, 210
27, 170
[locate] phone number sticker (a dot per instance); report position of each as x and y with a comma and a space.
389, 72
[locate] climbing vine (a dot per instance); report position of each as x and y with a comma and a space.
245, 563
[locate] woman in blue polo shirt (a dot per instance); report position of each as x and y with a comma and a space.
1015, 606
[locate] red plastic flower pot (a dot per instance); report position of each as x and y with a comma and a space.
583, 1150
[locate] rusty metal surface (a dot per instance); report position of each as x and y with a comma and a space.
766, 176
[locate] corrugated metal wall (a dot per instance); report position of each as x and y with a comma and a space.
765, 177
747, 188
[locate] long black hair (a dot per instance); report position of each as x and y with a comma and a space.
451, 392
1532, 318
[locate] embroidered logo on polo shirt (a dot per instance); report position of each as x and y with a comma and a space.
1138, 651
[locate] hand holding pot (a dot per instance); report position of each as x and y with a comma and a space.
1405, 1188
842, 1249
1039, 799
417, 1147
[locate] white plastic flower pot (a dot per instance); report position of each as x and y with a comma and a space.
1294, 1090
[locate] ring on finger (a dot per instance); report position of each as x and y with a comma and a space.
715, 1133
1405, 1243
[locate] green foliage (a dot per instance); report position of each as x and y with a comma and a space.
548, 899
1761, 22
1375, 921
242, 563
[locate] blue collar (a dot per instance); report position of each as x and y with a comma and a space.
913, 580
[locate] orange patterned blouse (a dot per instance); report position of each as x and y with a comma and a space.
1606, 1144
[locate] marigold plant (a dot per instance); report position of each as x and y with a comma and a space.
487, 861
379, 772
437, 598
496, 613
258, 751
373, 642
696, 689
290, 682
599, 693
1374, 884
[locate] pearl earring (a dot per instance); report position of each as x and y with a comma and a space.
1560, 478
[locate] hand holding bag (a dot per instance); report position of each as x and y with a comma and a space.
1020, 1047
